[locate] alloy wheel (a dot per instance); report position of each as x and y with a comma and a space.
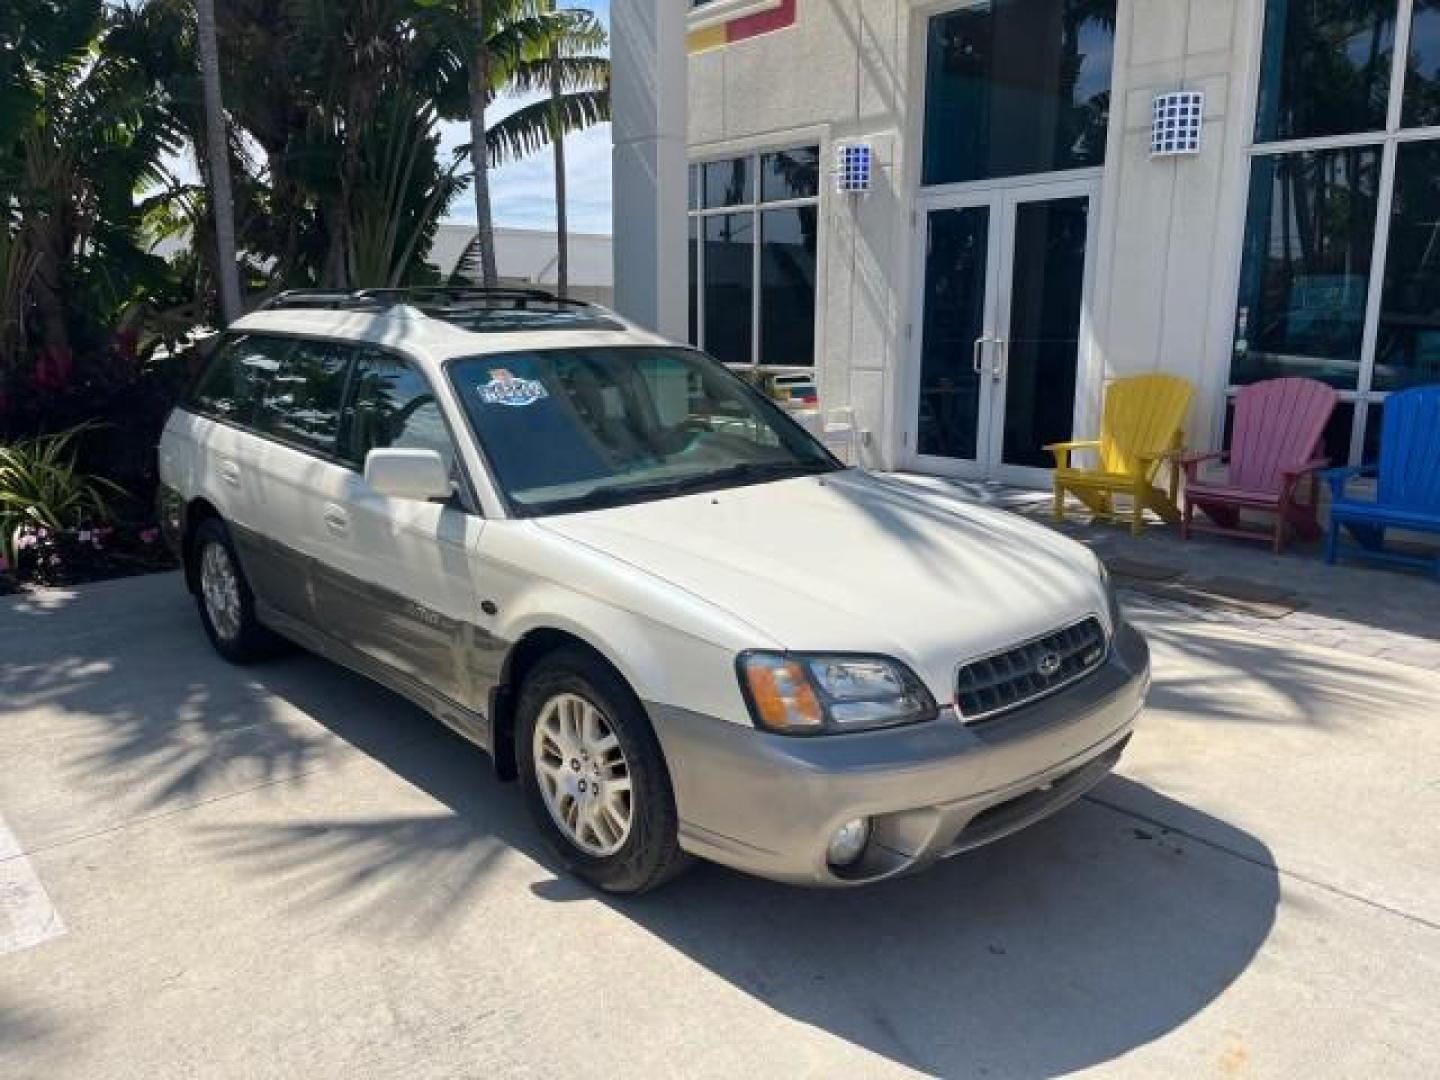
583, 775
220, 587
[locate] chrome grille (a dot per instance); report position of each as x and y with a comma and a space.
1004, 680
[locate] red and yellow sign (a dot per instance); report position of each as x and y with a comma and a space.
745, 26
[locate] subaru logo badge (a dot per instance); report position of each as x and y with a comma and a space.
1049, 664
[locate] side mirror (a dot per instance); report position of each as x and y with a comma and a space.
408, 474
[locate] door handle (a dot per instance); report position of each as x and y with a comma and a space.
978, 361
997, 371
336, 520
230, 473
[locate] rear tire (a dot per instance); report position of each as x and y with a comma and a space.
594, 777
227, 606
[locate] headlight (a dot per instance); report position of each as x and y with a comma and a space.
808, 694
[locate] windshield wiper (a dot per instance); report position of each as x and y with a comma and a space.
610, 495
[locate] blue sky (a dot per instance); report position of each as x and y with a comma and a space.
523, 194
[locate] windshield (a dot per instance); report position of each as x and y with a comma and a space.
578, 429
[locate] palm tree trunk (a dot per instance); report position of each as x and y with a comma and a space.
557, 140
222, 199
479, 151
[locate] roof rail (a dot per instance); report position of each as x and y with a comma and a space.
427, 298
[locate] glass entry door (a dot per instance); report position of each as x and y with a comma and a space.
1002, 328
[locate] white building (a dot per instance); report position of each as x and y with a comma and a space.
1022, 240
531, 257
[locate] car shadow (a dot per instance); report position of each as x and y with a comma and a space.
1063, 947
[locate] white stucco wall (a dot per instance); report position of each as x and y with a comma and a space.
837, 74
1169, 231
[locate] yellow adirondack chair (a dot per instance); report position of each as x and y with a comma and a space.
1140, 432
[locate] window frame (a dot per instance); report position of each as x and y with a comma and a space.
756, 208
1364, 397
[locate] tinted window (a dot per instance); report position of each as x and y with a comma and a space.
1016, 87
1305, 268
236, 377
300, 403
1408, 352
790, 174
787, 286
728, 183
1326, 68
393, 406
729, 286
1422, 73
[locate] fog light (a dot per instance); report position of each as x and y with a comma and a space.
848, 843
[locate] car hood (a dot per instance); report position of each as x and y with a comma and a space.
851, 562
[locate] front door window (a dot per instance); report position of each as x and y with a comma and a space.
1043, 344
957, 270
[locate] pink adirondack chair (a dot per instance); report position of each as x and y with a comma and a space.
1276, 444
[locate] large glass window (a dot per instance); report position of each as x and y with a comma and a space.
1422, 71
1016, 87
1340, 270
1408, 350
729, 276
787, 281
754, 252
1306, 278
1326, 67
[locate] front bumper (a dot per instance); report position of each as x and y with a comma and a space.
768, 804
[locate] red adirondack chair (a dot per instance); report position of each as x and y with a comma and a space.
1276, 444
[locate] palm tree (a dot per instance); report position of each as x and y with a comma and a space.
222, 199
480, 93
557, 140
529, 47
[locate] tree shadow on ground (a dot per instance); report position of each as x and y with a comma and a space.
1063, 947
1234, 676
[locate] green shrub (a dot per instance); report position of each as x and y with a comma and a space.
40, 487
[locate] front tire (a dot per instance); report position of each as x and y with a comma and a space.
594, 777
227, 606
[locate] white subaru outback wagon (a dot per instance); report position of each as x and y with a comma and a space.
647, 592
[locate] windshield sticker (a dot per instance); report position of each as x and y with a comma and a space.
505, 389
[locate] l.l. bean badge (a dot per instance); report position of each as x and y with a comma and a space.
505, 388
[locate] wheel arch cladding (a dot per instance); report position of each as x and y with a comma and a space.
197, 512
533, 647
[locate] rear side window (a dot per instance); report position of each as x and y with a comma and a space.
393, 405
300, 403
232, 385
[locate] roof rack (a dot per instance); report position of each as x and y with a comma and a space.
431, 299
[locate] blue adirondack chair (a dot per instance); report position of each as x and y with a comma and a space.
1408, 486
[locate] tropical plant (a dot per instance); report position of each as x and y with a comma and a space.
42, 489
83, 129
529, 47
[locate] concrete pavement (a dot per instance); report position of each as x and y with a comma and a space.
288, 872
